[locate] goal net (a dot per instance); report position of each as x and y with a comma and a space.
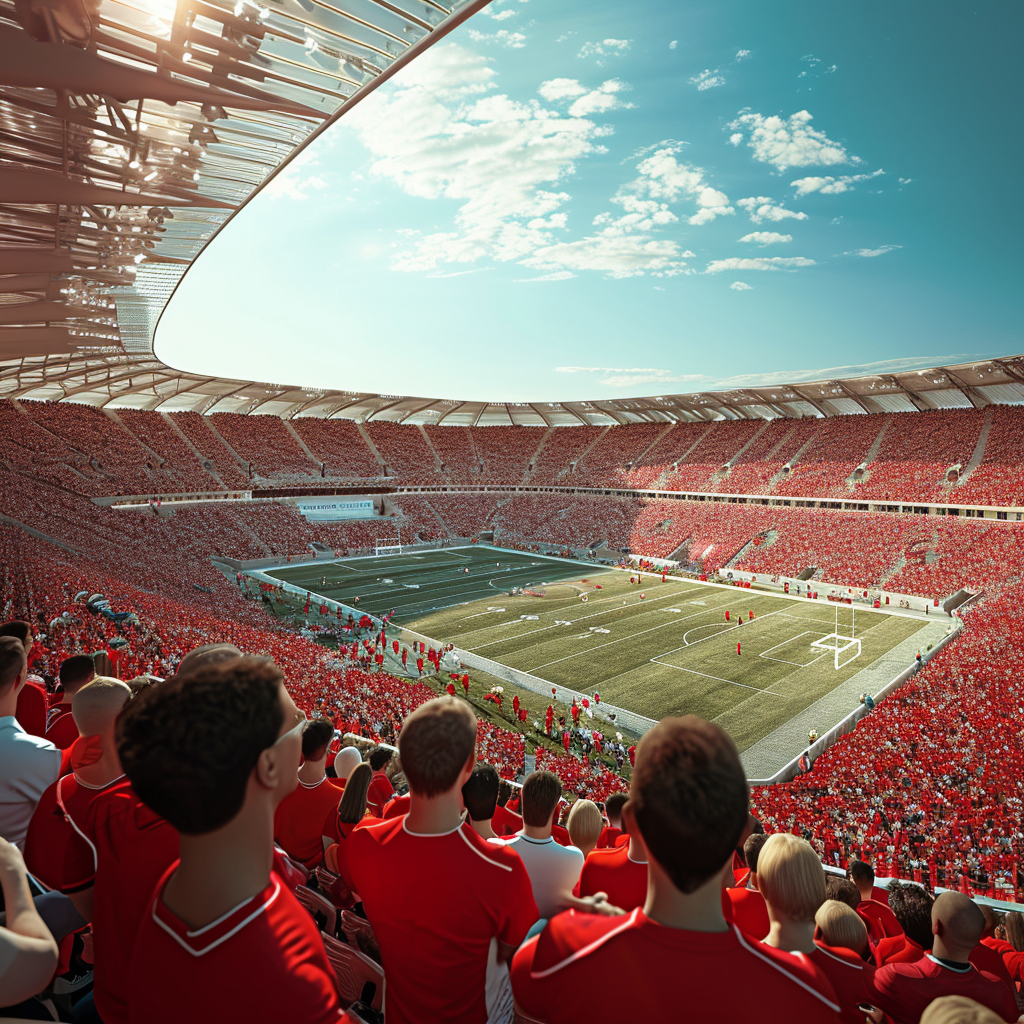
844, 642
387, 547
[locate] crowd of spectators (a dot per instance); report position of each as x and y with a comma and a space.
339, 446
999, 479
211, 448
264, 444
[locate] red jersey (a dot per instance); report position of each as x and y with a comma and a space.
379, 793
988, 960
608, 836
437, 903
880, 920
134, 847
58, 851
614, 872
299, 819
397, 806
263, 961
717, 977
746, 909
31, 709
905, 990
849, 976
61, 730
505, 822
898, 949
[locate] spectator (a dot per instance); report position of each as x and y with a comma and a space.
214, 752
480, 795
207, 654
1014, 927
745, 906
298, 822
838, 926
436, 893
912, 907
904, 990
381, 789
689, 804
75, 672
56, 848
613, 810
31, 710
350, 814
585, 825
958, 1010
28, 764
841, 940
874, 902
505, 822
28, 953
345, 762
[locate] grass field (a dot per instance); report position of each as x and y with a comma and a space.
671, 653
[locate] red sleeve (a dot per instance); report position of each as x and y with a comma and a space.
31, 709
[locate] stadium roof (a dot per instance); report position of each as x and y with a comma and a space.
133, 130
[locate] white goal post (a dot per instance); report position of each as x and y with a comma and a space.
387, 547
839, 642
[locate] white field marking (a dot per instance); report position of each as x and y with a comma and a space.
490, 611
696, 602
679, 611
727, 629
731, 682
598, 629
563, 622
786, 661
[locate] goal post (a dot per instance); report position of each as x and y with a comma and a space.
387, 547
843, 640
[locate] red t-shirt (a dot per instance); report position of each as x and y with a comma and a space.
746, 909
57, 848
31, 709
134, 847
607, 837
505, 822
298, 822
987, 959
379, 793
849, 976
670, 974
905, 990
397, 806
61, 730
880, 920
560, 834
437, 903
898, 949
612, 871
264, 961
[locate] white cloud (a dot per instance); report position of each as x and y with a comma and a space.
500, 15
788, 142
614, 252
555, 89
758, 263
673, 44
630, 376
503, 37
586, 101
742, 55
290, 185
605, 48
905, 181
881, 251
707, 79
815, 67
762, 208
832, 186
741, 286
766, 237
557, 275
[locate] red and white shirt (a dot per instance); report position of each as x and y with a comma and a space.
57, 849
298, 822
850, 977
439, 906
613, 871
263, 961
711, 977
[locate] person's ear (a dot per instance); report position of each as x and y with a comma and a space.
937, 927
270, 769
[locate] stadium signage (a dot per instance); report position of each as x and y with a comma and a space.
323, 510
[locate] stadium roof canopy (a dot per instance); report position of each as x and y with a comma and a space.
132, 130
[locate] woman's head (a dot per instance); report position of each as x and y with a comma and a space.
352, 807
585, 824
840, 925
791, 878
1013, 924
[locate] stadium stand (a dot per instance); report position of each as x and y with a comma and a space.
339, 445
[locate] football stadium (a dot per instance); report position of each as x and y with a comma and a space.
326, 700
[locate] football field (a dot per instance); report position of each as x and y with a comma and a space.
674, 651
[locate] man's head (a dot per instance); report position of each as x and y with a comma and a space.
541, 792
21, 631
843, 890
863, 876
957, 924
316, 737
75, 672
346, 761
791, 878
504, 793
379, 758
207, 654
13, 666
912, 907
613, 808
480, 793
840, 925
199, 747
437, 745
688, 799
96, 706
752, 847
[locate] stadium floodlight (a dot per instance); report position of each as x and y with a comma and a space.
839, 643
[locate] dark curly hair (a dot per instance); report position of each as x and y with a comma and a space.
190, 744
912, 906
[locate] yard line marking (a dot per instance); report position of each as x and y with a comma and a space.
731, 682
785, 661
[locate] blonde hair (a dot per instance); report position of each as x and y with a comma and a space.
585, 824
790, 877
98, 703
958, 1010
841, 925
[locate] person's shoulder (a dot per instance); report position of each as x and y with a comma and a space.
380, 833
797, 968
26, 745
570, 937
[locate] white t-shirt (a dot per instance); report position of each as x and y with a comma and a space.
553, 869
28, 766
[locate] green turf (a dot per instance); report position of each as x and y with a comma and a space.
671, 653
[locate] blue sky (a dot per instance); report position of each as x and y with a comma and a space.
572, 200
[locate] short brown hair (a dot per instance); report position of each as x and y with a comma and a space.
689, 798
843, 890
12, 661
752, 847
614, 804
435, 743
541, 792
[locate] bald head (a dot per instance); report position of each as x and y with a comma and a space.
97, 704
957, 924
346, 760
207, 654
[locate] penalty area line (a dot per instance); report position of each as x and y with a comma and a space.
719, 679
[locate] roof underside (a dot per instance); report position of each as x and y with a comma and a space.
132, 130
